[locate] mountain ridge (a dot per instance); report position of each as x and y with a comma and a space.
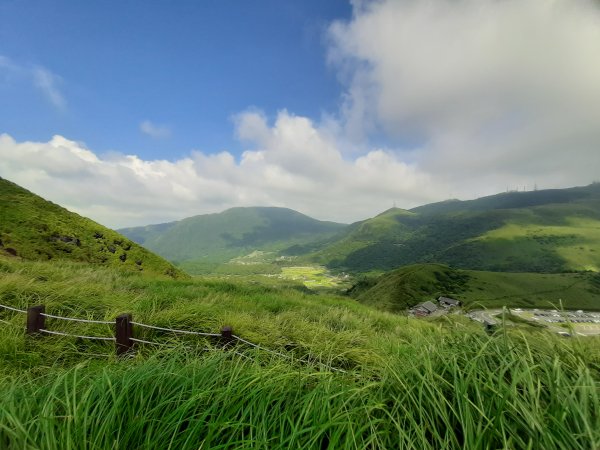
33, 228
552, 230
538, 231
217, 238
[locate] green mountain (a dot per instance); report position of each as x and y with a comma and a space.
541, 231
405, 287
201, 242
32, 228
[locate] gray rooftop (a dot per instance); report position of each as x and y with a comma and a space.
448, 300
429, 306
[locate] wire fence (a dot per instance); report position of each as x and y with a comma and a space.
153, 327
125, 340
72, 319
10, 308
59, 333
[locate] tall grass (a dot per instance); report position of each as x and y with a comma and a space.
409, 384
464, 392
274, 316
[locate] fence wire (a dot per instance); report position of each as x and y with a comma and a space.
171, 330
10, 308
252, 344
72, 319
153, 327
283, 355
59, 333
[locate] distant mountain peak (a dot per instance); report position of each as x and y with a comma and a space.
218, 238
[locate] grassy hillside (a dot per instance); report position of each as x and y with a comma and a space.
201, 243
398, 290
409, 384
541, 231
36, 229
513, 200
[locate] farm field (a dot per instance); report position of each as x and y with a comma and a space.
313, 277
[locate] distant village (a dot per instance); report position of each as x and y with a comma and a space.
444, 304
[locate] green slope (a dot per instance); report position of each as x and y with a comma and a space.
202, 242
401, 382
407, 286
35, 229
540, 231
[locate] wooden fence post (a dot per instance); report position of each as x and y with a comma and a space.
226, 335
123, 333
35, 320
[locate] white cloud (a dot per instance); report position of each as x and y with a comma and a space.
291, 163
47, 82
495, 94
498, 92
155, 131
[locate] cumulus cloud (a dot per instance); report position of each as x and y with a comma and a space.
497, 92
47, 82
154, 130
476, 95
290, 163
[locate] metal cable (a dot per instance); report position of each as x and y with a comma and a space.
262, 348
198, 333
103, 322
252, 344
147, 342
13, 309
284, 355
100, 338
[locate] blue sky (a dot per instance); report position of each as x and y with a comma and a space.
137, 112
188, 66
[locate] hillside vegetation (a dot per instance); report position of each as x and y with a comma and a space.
539, 231
408, 384
305, 370
548, 231
201, 243
35, 229
405, 287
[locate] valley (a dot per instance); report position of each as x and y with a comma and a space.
318, 356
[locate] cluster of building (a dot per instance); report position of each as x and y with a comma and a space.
429, 307
565, 316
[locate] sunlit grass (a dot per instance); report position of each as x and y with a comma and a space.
311, 276
407, 383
